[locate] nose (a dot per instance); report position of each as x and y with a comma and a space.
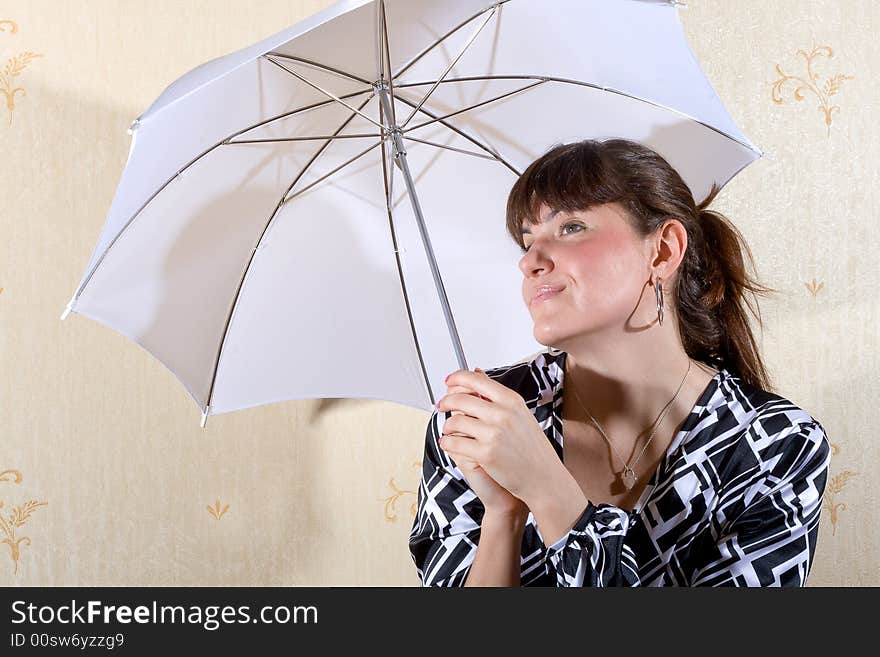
535, 261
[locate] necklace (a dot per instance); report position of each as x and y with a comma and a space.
628, 476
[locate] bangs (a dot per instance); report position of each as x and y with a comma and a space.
569, 177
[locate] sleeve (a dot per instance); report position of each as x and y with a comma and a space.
771, 542
594, 552
446, 530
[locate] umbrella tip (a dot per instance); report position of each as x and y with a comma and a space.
66, 312
204, 417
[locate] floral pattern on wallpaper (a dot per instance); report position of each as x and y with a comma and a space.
217, 510
810, 82
833, 488
814, 288
391, 500
14, 517
18, 516
15, 66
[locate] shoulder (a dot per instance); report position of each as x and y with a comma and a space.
775, 433
766, 413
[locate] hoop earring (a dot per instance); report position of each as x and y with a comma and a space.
658, 289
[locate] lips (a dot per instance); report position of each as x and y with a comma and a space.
545, 292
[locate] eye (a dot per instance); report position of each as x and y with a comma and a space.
575, 225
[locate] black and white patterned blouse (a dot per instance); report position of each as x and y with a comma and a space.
735, 501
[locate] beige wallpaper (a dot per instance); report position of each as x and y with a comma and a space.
106, 477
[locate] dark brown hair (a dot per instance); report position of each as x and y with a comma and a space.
712, 288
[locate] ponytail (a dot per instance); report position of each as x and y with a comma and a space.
713, 299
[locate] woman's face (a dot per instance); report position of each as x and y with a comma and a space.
600, 263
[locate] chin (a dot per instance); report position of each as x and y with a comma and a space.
548, 338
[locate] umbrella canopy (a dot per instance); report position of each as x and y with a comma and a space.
322, 214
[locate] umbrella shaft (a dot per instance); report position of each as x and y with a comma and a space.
400, 159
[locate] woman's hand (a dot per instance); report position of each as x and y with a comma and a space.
496, 499
499, 434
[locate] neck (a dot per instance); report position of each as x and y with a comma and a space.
626, 389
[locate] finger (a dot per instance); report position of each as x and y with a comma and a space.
464, 425
479, 382
452, 389
463, 401
462, 446
468, 391
462, 390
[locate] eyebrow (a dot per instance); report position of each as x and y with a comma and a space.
553, 213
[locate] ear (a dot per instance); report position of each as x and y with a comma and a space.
668, 245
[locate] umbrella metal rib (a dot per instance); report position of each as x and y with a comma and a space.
299, 110
330, 173
315, 138
437, 42
325, 92
579, 83
416, 108
451, 64
180, 172
451, 148
323, 67
469, 108
247, 269
463, 133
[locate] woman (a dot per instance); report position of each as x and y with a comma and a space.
679, 466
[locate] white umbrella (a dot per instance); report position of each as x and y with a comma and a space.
263, 245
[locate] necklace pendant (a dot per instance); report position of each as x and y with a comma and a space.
629, 478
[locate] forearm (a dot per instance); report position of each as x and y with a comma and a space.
497, 561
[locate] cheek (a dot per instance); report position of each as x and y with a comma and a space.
611, 271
